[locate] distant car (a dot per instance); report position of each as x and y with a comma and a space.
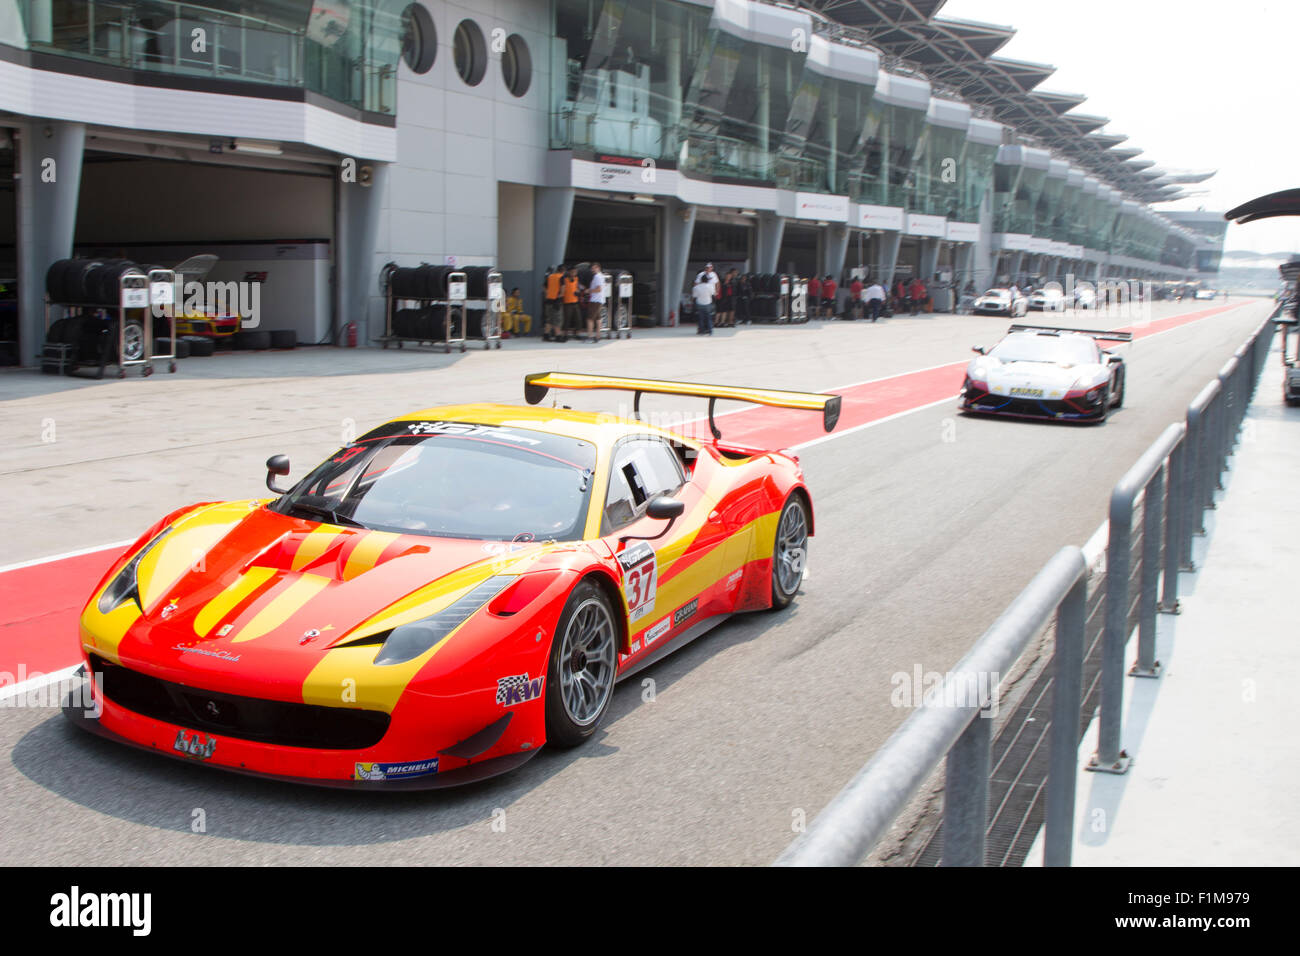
1046, 372
1085, 297
1001, 302
1205, 293
1047, 300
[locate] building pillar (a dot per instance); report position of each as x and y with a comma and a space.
552, 215
356, 228
1017, 262
929, 259
890, 242
48, 169
674, 254
767, 241
837, 250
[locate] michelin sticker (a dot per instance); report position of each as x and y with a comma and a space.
395, 771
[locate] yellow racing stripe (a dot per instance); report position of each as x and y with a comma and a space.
282, 607
230, 598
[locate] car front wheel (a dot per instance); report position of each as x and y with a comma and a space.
583, 665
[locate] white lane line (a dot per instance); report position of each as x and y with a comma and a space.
66, 554
879, 421
9, 691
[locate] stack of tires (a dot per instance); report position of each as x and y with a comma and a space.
427, 283
96, 283
89, 281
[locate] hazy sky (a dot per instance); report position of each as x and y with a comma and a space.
1195, 84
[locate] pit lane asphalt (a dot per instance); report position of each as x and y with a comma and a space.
927, 525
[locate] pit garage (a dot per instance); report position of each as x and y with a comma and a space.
265, 211
801, 251
618, 235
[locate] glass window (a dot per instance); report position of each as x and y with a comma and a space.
470, 52
643, 468
453, 479
419, 38
516, 65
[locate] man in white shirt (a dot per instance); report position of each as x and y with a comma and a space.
595, 300
874, 297
703, 293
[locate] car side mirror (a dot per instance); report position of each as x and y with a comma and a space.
977, 349
663, 508
277, 466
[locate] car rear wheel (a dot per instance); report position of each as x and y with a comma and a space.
789, 552
582, 668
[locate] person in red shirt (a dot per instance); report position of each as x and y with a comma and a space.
916, 293
814, 295
855, 298
900, 295
828, 297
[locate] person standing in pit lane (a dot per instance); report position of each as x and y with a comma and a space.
596, 295
572, 308
829, 287
552, 304
875, 298
727, 300
702, 295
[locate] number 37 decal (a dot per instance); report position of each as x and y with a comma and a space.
640, 574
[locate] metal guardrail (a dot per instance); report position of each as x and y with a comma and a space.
1172, 483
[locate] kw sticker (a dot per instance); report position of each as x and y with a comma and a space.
518, 689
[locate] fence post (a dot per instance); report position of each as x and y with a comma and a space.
966, 795
1175, 513
1109, 757
1067, 700
1152, 512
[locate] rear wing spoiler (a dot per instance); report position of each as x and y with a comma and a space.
1284, 203
1095, 333
537, 385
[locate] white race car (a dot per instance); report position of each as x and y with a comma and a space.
1008, 302
1047, 300
1046, 372
1205, 294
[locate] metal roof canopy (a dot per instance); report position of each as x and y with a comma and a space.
960, 54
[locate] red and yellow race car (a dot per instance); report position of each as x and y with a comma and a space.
444, 595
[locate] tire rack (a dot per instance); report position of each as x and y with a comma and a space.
162, 301
133, 293
456, 303
799, 305
791, 298
617, 324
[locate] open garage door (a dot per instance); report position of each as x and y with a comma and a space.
273, 227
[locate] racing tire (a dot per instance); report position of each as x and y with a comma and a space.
1118, 400
244, 341
164, 345
200, 347
789, 552
582, 667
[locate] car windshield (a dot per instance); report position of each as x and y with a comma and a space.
997, 293
1032, 347
454, 480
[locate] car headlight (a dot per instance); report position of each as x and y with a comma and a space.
126, 586
409, 641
